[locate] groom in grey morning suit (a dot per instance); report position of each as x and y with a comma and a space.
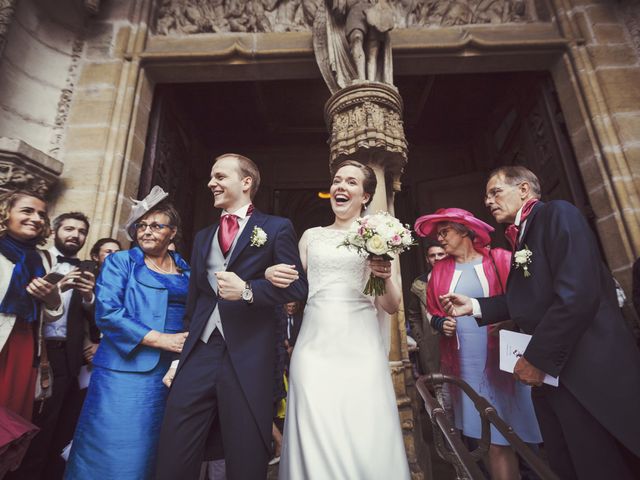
225, 374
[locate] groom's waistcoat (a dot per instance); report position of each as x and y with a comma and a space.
216, 262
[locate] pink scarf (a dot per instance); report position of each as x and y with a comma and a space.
512, 232
496, 264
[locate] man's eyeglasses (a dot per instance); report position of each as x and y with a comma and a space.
494, 192
155, 227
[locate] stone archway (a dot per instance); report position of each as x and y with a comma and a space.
399, 360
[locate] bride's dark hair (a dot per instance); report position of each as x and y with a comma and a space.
370, 181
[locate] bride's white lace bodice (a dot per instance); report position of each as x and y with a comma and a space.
334, 268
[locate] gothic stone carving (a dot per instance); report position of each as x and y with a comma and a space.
24, 167
365, 123
14, 177
175, 17
630, 13
7, 9
92, 7
207, 16
64, 102
447, 13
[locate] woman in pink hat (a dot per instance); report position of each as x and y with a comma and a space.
467, 350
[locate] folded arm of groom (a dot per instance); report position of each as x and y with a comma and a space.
230, 285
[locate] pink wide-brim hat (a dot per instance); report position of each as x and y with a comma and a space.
425, 226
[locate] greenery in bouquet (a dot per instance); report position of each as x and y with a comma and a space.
380, 235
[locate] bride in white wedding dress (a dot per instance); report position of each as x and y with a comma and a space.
342, 421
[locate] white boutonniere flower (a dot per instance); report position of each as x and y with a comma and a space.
522, 260
258, 237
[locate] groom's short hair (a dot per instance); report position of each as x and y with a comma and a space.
247, 168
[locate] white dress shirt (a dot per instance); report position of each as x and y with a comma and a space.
477, 312
289, 326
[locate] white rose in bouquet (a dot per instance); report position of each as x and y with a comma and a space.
376, 245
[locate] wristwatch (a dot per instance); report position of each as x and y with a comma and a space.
247, 293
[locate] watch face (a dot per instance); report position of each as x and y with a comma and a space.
247, 294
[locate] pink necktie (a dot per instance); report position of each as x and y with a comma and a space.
229, 227
228, 230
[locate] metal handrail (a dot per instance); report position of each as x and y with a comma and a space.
448, 442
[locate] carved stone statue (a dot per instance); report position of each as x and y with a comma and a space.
351, 42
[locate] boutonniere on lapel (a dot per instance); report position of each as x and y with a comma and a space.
522, 260
258, 237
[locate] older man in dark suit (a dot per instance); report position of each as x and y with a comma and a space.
560, 292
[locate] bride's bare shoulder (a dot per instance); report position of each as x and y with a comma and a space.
309, 232
304, 239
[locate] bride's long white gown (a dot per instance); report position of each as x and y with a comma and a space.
342, 421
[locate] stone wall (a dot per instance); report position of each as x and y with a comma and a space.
36, 76
604, 123
99, 120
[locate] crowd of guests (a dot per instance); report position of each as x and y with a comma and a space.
122, 318
53, 323
48, 328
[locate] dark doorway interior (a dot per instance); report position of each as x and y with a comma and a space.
459, 127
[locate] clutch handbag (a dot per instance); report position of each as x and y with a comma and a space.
44, 379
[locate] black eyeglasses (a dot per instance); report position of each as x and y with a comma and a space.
155, 227
443, 233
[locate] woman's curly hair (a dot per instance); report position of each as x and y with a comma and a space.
7, 202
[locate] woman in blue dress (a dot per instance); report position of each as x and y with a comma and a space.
467, 350
140, 301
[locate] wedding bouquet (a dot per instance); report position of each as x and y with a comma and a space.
377, 235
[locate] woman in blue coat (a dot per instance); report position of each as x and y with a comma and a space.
140, 299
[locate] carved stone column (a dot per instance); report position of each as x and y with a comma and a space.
24, 167
7, 9
365, 123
